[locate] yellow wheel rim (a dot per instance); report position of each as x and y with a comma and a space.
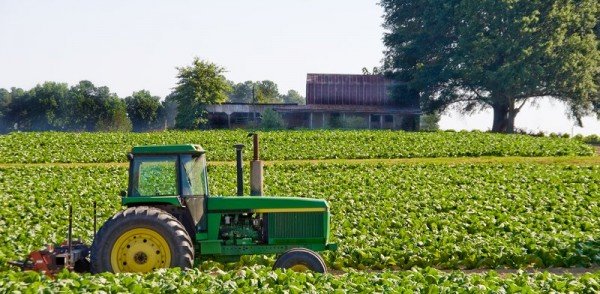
140, 250
299, 268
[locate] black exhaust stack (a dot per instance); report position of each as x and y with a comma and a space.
240, 169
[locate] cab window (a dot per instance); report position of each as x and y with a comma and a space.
154, 176
194, 175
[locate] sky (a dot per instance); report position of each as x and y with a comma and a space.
133, 45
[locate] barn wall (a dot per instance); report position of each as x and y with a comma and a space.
338, 89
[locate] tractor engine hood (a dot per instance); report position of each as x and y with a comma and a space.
261, 204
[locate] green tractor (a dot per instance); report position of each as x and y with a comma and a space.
171, 220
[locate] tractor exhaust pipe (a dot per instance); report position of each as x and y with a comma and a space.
240, 169
255, 147
256, 169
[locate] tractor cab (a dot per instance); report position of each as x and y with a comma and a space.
178, 170
173, 174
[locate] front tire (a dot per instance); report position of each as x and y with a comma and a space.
301, 260
141, 239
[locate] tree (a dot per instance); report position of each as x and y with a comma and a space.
497, 54
241, 92
55, 106
47, 106
430, 122
293, 96
5, 101
375, 71
85, 102
38, 109
199, 84
266, 92
90, 108
271, 120
261, 92
144, 110
114, 118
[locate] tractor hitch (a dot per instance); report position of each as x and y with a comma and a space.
71, 255
53, 259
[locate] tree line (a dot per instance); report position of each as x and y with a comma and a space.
56, 106
87, 107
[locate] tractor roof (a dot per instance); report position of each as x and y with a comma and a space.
168, 149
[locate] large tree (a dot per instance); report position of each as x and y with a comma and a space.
199, 84
144, 110
494, 53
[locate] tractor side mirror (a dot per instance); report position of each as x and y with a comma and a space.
123, 193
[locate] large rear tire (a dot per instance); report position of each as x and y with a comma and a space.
141, 239
301, 260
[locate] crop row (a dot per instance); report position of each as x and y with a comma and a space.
383, 216
284, 145
264, 280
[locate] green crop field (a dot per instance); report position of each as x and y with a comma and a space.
285, 145
383, 216
388, 216
264, 280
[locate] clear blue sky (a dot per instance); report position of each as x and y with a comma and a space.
133, 45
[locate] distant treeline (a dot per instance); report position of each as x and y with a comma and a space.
87, 107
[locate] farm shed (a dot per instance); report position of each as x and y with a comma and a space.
332, 100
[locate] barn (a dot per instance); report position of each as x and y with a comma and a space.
332, 101
349, 100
